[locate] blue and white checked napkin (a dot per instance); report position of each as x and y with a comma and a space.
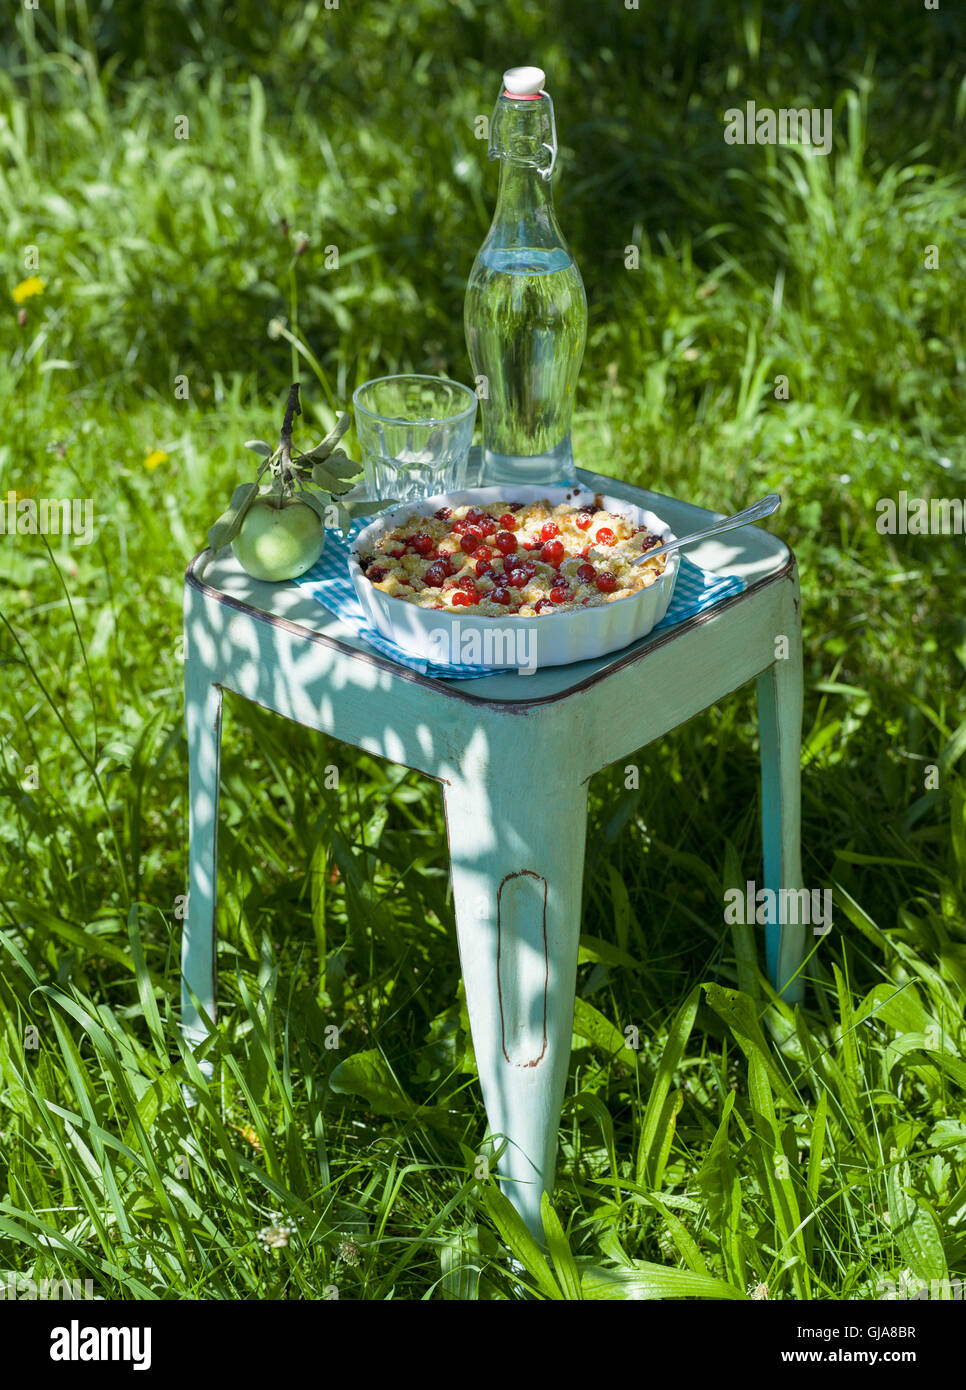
328, 581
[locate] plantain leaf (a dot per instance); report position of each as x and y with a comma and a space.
520, 1240
229, 523
461, 1261
258, 446
367, 1074
592, 1025
915, 1227
563, 1261
646, 1281
657, 1119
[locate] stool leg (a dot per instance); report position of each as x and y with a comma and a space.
516, 837
203, 722
780, 700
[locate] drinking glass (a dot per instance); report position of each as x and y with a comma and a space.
415, 433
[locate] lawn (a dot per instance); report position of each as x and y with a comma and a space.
793, 324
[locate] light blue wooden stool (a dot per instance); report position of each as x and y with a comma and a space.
510, 751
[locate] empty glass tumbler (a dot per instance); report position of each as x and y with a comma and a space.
415, 433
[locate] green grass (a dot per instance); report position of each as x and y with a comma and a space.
818, 1152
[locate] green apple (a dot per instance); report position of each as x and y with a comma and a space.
279, 539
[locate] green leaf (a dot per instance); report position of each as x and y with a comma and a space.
258, 446
516, 1236
682, 1237
342, 465
622, 906
915, 1227
322, 451
719, 1184
656, 1120
460, 1261
742, 1017
560, 1252
365, 506
647, 1281
229, 523
593, 1026
367, 1074
775, 1168
816, 1147
593, 948
323, 477
87, 940
317, 503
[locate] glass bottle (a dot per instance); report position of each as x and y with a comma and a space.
525, 313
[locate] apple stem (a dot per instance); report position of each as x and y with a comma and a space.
292, 409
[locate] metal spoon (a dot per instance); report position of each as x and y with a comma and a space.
755, 512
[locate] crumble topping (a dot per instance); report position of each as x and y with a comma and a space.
522, 559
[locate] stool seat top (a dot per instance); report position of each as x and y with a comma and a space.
750, 553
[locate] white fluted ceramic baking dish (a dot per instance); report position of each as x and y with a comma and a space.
559, 638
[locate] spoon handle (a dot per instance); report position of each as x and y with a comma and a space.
755, 512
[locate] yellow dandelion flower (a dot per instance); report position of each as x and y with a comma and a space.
28, 288
155, 457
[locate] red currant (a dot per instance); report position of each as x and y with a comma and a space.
560, 595
376, 573
470, 539
474, 516
422, 543
499, 595
461, 599
586, 574
443, 514
552, 552
582, 521
549, 530
436, 573
505, 543
508, 521
484, 564
488, 526
606, 582
466, 581
605, 536
518, 577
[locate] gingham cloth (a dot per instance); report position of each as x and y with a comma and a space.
328, 581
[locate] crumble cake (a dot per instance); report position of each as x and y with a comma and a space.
513, 558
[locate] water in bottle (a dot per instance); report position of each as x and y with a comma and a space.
525, 311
